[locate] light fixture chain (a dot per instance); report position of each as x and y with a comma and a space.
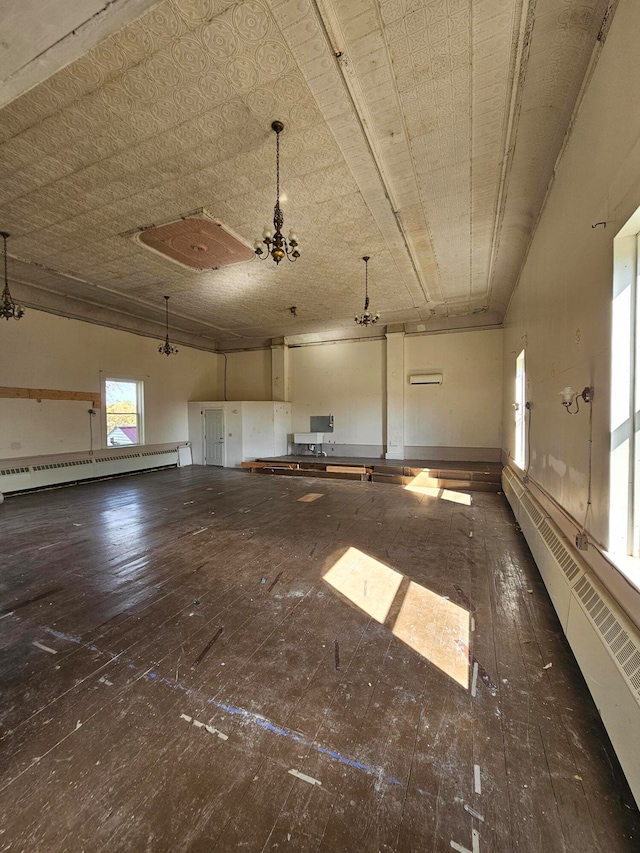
366, 285
8, 310
167, 348
367, 318
278, 169
278, 246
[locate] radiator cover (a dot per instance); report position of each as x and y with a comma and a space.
605, 642
104, 464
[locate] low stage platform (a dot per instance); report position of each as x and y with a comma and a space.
423, 473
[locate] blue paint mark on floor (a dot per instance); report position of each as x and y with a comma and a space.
249, 716
61, 636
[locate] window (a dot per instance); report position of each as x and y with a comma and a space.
624, 512
520, 412
123, 412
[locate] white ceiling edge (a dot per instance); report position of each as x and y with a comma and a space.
586, 81
34, 298
30, 70
475, 323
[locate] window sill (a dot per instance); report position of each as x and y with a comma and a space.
629, 567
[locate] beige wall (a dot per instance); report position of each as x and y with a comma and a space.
346, 380
248, 375
45, 351
561, 311
466, 410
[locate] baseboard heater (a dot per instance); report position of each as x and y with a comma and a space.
21, 478
603, 639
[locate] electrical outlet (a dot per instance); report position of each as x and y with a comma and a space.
582, 543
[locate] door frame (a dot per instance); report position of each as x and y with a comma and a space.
224, 435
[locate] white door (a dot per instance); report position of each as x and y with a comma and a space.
214, 437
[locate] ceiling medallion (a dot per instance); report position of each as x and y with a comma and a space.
367, 318
9, 310
166, 348
278, 246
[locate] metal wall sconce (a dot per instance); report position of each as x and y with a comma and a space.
569, 397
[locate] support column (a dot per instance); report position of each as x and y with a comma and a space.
395, 395
279, 371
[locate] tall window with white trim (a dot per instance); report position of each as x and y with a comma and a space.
624, 513
123, 412
520, 413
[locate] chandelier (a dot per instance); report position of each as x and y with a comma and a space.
166, 348
367, 318
278, 246
8, 309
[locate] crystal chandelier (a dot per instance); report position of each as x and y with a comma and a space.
367, 318
278, 246
166, 348
8, 309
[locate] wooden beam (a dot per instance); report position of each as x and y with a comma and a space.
50, 394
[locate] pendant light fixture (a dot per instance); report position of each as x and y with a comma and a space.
367, 318
277, 245
9, 310
166, 348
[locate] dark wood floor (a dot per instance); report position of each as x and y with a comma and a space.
171, 653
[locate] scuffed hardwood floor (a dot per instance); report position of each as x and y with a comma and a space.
178, 674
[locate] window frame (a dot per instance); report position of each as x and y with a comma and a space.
624, 448
519, 410
140, 425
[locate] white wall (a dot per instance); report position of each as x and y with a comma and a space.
282, 428
265, 426
466, 410
45, 351
252, 430
561, 315
561, 310
346, 380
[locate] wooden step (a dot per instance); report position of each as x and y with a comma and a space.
310, 472
451, 474
258, 465
427, 478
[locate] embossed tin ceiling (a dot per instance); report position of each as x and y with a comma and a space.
423, 133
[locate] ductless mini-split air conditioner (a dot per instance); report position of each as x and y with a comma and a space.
426, 379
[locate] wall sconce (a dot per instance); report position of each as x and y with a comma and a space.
569, 396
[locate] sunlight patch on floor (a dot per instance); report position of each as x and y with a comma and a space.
437, 629
423, 484
367, 582
433, 626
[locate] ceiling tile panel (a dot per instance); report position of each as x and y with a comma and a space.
419, 133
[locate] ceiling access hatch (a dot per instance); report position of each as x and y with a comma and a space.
197, 242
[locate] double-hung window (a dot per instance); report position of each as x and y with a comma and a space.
520, 412
124, 412
624, 511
